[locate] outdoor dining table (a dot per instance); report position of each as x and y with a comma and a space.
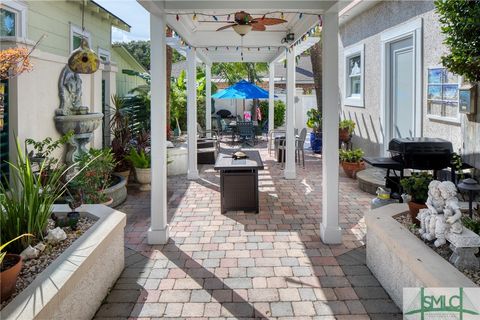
239, 181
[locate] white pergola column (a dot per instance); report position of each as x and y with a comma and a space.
192, 173
158, 232
271, 97
290, 128
330, 230
208, 98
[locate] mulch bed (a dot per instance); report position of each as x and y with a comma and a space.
33, 267
444, 251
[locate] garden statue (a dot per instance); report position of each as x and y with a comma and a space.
435, 204
69, 92
452, 212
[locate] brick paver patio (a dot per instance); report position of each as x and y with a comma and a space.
245, 265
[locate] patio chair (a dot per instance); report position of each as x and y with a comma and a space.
246, 132
224, 128
299, 146
203, 136
272, 134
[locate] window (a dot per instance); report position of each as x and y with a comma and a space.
76, 35
12, 19
353, 83
104, 55
442, 94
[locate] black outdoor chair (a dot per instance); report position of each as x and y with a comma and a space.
224, 128
246, 132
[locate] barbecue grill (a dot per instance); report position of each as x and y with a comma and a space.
412, 153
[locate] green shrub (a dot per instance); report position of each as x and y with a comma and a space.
140, 159
354, 155
314, 120
279, 112
417, 186
347, 124
472, 224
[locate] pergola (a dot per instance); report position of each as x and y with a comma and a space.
195, 22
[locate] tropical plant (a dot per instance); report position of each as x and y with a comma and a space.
119, 127
461, 27
27, 200
352, 156
2, 246
348, 125
43, 149
279, 112
314, 120
416, 186
95, 177
139, 159
233, 72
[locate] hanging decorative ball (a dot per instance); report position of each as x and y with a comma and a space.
83, 60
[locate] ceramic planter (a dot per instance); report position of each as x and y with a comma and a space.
351, 168
143, 177
8, 278
117, 191
414, 208
316, 142
344, 135
124, 174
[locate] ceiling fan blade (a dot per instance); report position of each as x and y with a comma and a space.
258, 27
226, 27
269, 21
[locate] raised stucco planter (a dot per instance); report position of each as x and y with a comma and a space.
75, 284
398, 259
118, 192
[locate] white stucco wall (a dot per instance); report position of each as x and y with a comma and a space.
366, 28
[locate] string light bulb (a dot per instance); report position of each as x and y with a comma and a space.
194, 16
215, 18
178, 17
282, 15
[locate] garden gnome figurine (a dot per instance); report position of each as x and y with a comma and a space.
450, 220
435, 204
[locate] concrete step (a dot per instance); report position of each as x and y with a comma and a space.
370, 179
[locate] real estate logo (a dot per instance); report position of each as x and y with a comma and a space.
441, 303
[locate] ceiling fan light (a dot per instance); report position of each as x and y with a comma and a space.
242, 29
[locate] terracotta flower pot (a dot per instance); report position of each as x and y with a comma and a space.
8, 278
344, 135
108, 202
414, 208
351, 168
143, 177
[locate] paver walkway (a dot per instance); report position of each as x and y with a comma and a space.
245, 265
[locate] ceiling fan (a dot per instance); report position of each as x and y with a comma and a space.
244, 23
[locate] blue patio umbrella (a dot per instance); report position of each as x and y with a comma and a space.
242, 90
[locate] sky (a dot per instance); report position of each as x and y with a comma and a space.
132, 13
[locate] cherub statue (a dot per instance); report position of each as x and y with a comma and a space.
450, 221
435, 204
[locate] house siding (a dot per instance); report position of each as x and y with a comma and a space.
125, 83
54, 18
366, 28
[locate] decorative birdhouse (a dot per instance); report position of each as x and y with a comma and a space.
83, 60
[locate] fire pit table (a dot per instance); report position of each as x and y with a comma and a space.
239, 181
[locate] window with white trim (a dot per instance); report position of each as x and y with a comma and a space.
104, 55
13, 19
354, 76
442, 94
76, 35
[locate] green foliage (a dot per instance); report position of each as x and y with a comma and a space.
43, 149
461, 26
314, 120
417, 186
457, 163
347, 124
233, 72
120, 129
354, 155
27, 200
141, 51
472, 224
140, 159
279, 112
90, 183
2, 254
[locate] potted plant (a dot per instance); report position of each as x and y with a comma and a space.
345, 130
416, 186
90, 184
119, 126
10, 266
141, 162
351, 161
315, 123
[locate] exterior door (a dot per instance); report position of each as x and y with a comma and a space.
402, 88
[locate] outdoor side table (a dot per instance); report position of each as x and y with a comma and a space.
239, 181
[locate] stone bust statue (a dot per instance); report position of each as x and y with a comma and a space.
69, 92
